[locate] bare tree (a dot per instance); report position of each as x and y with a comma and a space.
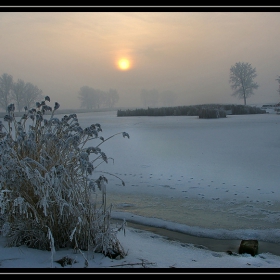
90, 97
18, 94
112, 98
85, 97
31, 94
95, 98
242, 80
6, 86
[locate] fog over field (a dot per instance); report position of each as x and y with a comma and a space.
186, 53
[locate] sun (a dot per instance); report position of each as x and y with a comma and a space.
124, 64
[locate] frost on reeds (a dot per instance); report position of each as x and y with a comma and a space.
48, 197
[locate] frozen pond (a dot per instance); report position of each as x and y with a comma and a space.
210, 173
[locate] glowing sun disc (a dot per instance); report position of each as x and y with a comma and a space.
124, 64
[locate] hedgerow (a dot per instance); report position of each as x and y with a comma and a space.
192, 110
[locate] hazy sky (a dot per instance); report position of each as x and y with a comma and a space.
189, 53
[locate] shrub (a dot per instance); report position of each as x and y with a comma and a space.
48, 198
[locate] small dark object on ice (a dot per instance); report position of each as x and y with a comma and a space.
112, 254
66, 261
249, 247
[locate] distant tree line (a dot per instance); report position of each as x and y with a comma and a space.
241, 80
19, 93
203, 111
94, 98
23, 94
242, 76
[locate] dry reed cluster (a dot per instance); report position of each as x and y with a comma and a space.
48, 197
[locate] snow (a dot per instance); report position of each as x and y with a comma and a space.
209, 178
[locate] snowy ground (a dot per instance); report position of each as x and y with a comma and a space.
147, 252
207, 173
215, 178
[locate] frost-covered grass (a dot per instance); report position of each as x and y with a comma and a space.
48, 197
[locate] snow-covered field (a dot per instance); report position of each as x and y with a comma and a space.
215, 178
201, 174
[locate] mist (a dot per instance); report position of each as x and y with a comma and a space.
187, 53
